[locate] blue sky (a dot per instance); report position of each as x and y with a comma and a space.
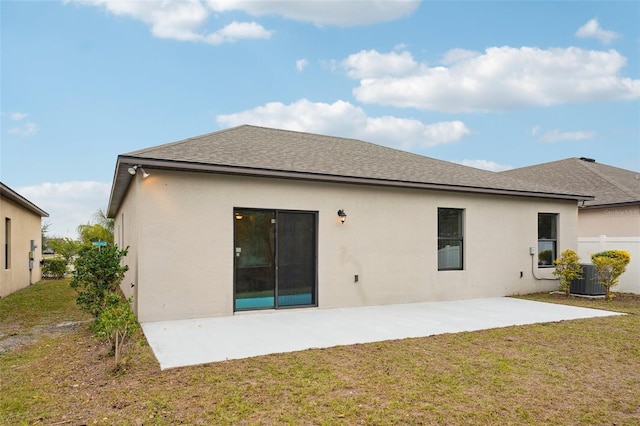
494, 85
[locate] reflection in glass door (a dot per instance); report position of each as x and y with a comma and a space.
275, 259
255, 259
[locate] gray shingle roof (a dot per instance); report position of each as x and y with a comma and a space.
252, 150
609, 185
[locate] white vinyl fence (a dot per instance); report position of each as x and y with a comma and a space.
630, 280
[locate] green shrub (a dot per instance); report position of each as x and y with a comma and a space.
116, 323
610, 264
54, 268
97, 271
567, 269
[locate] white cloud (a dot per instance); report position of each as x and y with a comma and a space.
301, 64
23, 128
372, 64
28, 128
458, 55
534, 130
501, 78
323, 12
17, 116
592, 29
185, 20
236, 31
485, 165
179, 20
69, 204
343, 119
558, 136
330, 64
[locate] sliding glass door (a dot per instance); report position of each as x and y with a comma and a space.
275, 259
255, 259
296, 238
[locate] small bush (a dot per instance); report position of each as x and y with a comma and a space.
567, 269
97, 272
116, 323
610, 265
54, 269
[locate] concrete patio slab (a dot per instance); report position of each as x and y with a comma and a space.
200, 341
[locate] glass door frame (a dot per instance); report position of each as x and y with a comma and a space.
276, 212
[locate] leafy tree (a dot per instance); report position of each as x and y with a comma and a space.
116, 323
100, 230
610, 264
43, 232
97, 272
100, 218
94, 232
567, 269
65, 247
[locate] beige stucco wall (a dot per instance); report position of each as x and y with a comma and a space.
184, 242
610, 221
126, 236
25, 226
612, 228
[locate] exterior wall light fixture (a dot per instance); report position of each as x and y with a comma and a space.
342, 215
132, 171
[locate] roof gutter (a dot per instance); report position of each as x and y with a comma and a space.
611, 205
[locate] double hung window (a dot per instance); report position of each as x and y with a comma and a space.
450, 239
547, 239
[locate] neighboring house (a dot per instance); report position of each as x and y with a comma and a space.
254, 218
611, 221
21, 235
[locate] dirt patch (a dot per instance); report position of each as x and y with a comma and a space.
13, 341
10, 341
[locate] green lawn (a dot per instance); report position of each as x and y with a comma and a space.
572, 372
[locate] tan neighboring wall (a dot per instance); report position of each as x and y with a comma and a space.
612, 228
180, 229
609, 221
25, 226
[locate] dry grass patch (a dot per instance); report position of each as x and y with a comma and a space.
573, 372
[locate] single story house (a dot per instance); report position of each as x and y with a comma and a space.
21, 236
257, 218
611, 221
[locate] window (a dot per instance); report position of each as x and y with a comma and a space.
7, 243
547, 239
450, 239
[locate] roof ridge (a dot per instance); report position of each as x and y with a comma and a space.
166, 144
613, 182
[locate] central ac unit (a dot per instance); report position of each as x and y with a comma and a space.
588, 285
